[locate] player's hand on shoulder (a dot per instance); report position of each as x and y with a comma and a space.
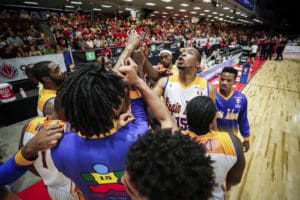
49, 136
124, 119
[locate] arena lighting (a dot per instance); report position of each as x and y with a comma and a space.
76, 2
150, 4
197, 8
69, 6
184, 5
31, 2
106, 6
129, 9
97, 9
169, 7
166, 1
258, 21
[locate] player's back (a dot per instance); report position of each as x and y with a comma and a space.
220, 146
46, 96
97, 164
58, 185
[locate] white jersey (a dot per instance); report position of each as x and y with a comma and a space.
222, 150
59, 186
176, 97
45, 96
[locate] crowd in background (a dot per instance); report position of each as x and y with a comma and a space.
31, 33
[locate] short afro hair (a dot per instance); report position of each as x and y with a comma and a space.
166, 165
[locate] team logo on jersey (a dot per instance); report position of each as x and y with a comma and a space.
173, 108
106, 181
238, 100
200, 90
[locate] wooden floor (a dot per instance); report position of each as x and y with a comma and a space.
273, 161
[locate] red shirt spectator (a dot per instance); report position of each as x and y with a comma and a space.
106, 52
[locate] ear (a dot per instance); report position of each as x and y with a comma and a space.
213, 124
46, 79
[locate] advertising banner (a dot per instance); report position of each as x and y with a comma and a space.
14, 69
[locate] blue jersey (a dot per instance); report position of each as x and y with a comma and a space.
13, 168
232, 113
96, 165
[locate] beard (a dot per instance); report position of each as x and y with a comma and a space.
58, 81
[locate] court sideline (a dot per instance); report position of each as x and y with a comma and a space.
272, 169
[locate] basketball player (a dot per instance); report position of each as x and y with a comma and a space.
178, 89
50, 75
19, 163
59, 187
232, 107
94, 156
165, 68
168, 166
225, 149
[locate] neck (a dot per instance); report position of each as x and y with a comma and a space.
50, 86
198, 132
186, 77
225, 93
53, 116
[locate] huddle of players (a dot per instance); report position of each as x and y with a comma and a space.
106, 110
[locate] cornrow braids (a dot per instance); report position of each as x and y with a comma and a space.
89, 96
200, 112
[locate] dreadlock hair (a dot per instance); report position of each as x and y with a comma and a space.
166, 165
230, 70
200, 112
40, 70
88, 96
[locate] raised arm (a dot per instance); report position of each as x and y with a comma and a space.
134, 40
155, 104
151, 71
159, 86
